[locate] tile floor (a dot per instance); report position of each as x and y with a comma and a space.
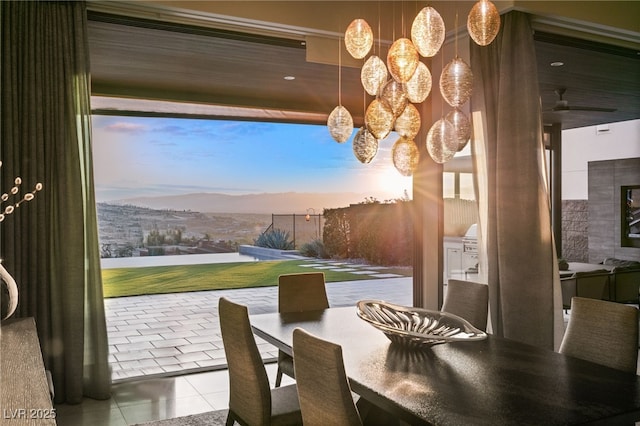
157, 398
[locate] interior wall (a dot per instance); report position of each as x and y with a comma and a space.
605, 222
580, 146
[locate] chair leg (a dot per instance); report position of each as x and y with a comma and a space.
278, 377
231, 419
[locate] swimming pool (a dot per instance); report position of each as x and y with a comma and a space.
184, 259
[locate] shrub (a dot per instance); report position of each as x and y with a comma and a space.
275, 239
335, 233
314, 248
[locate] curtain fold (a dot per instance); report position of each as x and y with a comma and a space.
515, 218
51, 244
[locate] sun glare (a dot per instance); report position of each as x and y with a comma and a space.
392, 182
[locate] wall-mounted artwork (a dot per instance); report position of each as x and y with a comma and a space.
631, 216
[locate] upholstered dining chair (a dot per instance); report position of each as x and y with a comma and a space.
602, 332
298, 293
251, 401
323, 388
468, 300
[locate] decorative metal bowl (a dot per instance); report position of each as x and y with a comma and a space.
416, 327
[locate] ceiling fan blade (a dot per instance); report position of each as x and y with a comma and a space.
582, 108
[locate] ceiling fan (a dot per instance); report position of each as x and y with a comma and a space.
563, 105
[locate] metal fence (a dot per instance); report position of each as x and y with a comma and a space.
302, 228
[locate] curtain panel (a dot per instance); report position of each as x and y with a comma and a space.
50, 245
514, 218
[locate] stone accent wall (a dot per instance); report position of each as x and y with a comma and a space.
575, 228
605, 181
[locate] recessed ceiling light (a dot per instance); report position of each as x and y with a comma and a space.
289, 77
557, 64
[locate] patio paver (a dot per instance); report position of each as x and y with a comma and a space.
166, 334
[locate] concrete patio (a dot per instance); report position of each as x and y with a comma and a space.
169, 334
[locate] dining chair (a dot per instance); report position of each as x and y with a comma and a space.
323, 388
602, 332
469, 300
568, 289
251, 400
298, 293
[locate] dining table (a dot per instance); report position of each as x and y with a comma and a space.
494, 381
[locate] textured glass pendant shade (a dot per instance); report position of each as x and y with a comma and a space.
405, 156
442, 143
394, 97
373, 75
378, 119
483, 22
461, 126
340, 124
358, 38
456, 82
427, 32
402, 59
408, 122
365, 146
419, 85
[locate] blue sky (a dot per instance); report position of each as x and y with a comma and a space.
136, 156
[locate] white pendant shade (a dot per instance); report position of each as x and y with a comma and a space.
378, 119
419, 85
373, 75
456, 82
461, 126
408, 122
365, 146
427, 32
358, 38
402, 60
405, 156
340, 124
394, 97
442, 143
483, 22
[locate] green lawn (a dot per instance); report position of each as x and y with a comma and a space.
120, 282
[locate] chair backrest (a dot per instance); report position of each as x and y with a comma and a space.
593, 284
602, 332
626, 284
302, 292
249, 391
323, 388
468, 300
568, 287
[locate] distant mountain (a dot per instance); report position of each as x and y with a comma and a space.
277, 203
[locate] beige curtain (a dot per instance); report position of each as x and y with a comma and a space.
50, 245
515, 221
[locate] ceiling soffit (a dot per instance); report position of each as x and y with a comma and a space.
152, 59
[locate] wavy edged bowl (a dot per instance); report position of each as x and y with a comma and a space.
417, 327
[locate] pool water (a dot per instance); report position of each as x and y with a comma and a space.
185, 259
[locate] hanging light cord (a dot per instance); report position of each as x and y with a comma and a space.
456, 40
339, 71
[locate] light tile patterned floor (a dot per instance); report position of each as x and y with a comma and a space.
157, 335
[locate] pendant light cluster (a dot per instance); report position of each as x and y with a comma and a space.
404, 80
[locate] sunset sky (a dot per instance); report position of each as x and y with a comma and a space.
135, 156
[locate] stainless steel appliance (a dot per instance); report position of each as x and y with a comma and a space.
470, 249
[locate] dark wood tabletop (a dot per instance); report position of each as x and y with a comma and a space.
490, 382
